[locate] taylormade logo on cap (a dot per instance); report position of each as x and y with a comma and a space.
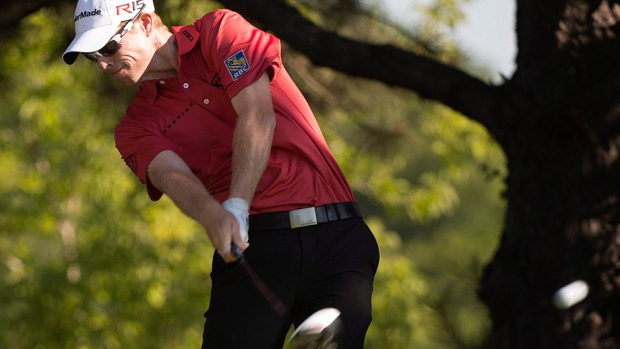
87, 14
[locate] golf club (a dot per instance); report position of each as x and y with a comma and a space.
273, 300
321, 330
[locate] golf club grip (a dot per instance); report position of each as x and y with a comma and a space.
273, 300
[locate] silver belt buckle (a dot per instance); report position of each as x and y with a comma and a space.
302, 217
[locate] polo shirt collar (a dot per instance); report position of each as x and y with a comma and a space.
187, 37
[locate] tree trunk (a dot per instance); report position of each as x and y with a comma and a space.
561, 135
558, 228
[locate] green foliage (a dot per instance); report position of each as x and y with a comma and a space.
87, 261
399, 313
180, 12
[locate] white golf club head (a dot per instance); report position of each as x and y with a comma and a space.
320, 330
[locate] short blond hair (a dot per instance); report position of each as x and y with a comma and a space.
157, 22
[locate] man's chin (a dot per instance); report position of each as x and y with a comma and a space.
126, 81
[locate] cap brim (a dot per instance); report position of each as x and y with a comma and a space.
89, 41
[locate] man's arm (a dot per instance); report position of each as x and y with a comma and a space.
171, 175
253, 137
252, 142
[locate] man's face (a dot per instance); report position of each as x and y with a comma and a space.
130, 62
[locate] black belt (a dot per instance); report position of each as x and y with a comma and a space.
303, 217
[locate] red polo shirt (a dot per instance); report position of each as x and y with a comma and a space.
219, 55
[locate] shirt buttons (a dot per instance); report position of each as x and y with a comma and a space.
206, 100
162, 82
186, 85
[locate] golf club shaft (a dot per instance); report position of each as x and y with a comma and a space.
273, 300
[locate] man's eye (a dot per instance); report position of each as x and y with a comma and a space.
110, 48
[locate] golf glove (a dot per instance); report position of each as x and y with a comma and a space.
239, 208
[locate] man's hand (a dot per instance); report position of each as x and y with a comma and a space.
240, 209
223, 228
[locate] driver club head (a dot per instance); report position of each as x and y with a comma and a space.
320, 330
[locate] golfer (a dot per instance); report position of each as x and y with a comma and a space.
218, 126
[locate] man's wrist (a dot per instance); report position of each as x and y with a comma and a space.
239, 208
237, 203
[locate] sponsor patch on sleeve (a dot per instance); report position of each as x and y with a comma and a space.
237, 65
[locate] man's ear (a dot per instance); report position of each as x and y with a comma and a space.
146, 20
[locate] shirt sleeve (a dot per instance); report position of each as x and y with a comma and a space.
138, 146
239, 51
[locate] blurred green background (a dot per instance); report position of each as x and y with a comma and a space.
87, 261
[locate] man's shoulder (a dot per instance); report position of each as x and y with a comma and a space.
221, 13
216, 18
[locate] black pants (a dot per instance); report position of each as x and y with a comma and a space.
326, 265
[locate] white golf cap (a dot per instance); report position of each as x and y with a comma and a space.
96, 21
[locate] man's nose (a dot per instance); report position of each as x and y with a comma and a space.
103, 62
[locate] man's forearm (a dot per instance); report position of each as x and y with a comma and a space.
189, 195
252, 146
171, 176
